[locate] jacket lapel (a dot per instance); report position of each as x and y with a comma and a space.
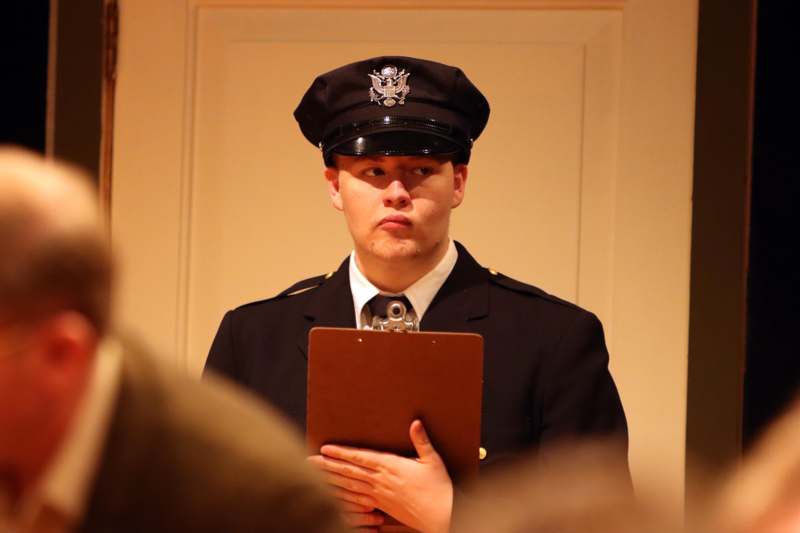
462, 299
330, 305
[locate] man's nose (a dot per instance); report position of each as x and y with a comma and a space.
396, 195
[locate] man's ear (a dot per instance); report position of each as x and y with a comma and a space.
68, 343
460, 173
332, 177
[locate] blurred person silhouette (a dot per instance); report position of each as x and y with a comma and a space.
762, 495
95, 435
570, 488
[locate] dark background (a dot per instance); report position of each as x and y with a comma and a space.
751, 201
23, 34
772, 374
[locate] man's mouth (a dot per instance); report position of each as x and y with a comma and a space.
395, 222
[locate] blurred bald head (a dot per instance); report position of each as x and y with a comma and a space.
53, 251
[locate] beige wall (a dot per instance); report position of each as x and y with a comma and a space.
581, 183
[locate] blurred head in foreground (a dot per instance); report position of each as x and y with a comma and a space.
581, 488
763, 494
55, 285
95, 435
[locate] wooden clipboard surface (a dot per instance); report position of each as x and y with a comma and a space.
366, 387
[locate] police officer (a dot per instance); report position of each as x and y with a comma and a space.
396, 135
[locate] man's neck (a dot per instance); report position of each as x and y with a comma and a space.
395, 276
32, 461
38, 452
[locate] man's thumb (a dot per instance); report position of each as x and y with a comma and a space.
420, 440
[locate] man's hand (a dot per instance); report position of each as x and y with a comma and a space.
364, 518
417, 492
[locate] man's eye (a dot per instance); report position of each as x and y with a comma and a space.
423, 171
375, 171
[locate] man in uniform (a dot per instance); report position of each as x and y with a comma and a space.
95, 435
396, 135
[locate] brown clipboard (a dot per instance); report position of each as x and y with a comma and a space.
366, 387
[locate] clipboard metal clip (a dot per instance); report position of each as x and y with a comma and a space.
398, 318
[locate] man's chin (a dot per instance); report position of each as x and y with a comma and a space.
395, 249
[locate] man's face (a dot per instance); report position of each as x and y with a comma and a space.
44, 366
20, 393
397, 207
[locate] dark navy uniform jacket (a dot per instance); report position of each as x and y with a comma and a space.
546, 372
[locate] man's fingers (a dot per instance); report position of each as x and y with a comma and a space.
369, 459
348, 483
373, 519
420, 440
354, 497
351, 470
349, 507
315, 460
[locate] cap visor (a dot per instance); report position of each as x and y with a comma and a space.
400, 142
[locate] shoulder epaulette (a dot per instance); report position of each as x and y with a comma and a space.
305, 285
518, 286
514, 285
298, 288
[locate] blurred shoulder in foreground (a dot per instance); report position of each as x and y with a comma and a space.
763, 494
574, 488
185, 455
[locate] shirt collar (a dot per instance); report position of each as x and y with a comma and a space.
420, 293
361, 289
64, 485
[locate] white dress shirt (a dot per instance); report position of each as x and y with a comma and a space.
420, 293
